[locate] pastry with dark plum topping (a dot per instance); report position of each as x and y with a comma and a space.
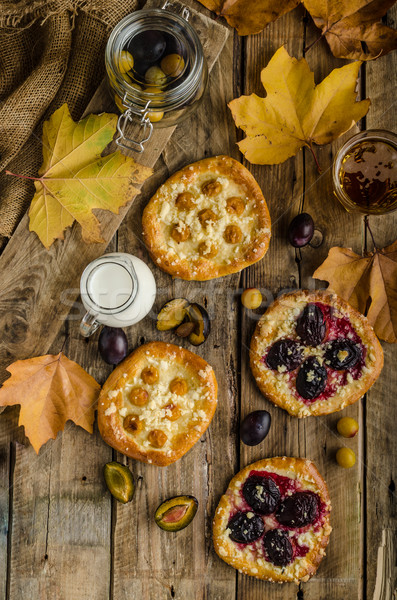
313, 354
273, 521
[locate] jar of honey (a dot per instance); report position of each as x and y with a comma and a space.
365, 172
156, 70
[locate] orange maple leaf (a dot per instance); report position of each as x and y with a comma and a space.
51, 390
368, 283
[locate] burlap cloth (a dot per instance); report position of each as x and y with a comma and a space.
51, 52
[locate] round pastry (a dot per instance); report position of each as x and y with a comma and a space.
208, 220
157, 403
313, 354
273, 521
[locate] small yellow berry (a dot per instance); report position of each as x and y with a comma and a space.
173, 65
127, 78
347, 427
345, 458
126, 61
251, 298
130, 80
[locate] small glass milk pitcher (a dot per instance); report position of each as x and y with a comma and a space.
117, 290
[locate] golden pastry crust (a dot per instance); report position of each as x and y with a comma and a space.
250, 559
278, 322
207, 220
157, 403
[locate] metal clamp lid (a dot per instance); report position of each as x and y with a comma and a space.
128, 116
176, 8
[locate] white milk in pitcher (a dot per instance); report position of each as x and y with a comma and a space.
117, 290
110, 285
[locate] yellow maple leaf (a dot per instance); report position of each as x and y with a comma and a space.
51, 390
74, 179
369, 283
296, 112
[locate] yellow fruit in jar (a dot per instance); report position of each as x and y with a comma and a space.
119, 103
155, 76
125, 62
173, 65
251, 298
155, 116
153, 90
347, 427
127, 78
345, 458
131, 81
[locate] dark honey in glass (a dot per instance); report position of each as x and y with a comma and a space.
365, 173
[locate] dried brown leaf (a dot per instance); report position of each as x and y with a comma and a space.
250, 16
368, 283
353, 28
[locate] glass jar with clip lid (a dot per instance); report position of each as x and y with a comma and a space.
156, 70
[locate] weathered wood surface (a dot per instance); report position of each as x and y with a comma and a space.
67, 538
282, 186
183, 565
380, 452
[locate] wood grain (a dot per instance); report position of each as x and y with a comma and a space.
340, 574
60, 511
380, 410
159, 562
282, 186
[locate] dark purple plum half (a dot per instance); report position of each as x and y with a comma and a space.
311, 326
278, 547
245, 529
262, 494
298, 510
312, 379
342, 354
284, 353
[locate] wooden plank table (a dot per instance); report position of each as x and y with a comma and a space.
62, 536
